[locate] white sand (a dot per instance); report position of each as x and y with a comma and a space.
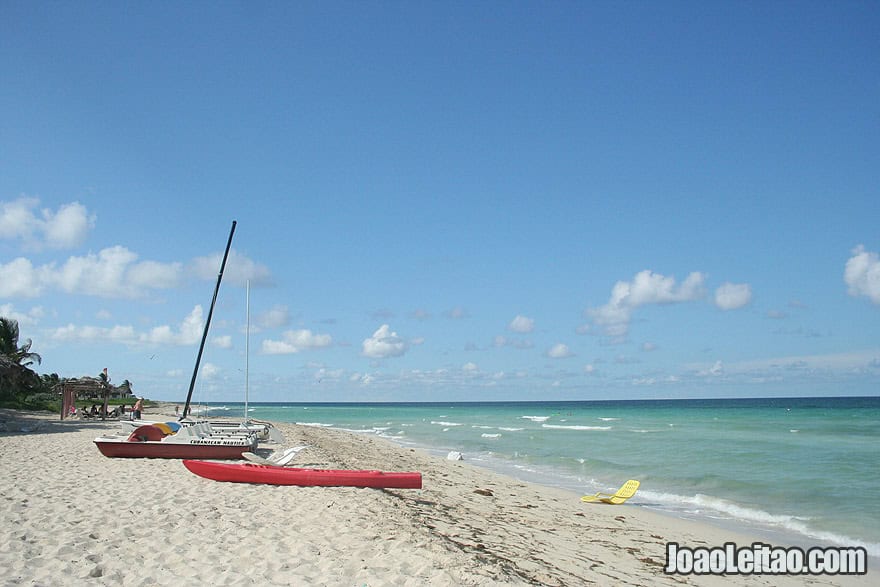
71, 516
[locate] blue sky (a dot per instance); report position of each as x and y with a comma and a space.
446, 201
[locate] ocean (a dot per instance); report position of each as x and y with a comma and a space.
800, 471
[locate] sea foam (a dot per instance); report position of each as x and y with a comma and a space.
722, 508
560, 427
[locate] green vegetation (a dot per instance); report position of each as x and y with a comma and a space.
22, 388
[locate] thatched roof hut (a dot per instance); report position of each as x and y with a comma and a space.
93, 387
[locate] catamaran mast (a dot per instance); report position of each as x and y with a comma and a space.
247, 349
192, 383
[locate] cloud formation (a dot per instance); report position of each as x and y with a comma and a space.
559, 351
20, 279
114, 272
65, 228
295, 341
383, 344
189, 332
276, 317
862, 274
111, 273
239, 269
222, 342
517, 343
646, 287
521, 324
731, 296
29, 318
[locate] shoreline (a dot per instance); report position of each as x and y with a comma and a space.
769, 525
762, 531
77, 515
740, 529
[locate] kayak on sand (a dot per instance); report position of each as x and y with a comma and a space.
274, 475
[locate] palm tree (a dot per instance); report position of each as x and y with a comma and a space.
15, 376
125, 388
50, 381
9, 344
105, 391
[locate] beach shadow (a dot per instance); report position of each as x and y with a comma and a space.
16, 422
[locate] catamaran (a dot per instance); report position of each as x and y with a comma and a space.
265, 431
188, 439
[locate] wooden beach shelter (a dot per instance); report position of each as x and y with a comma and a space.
71, 388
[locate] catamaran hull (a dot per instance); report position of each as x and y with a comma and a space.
171, 450
271, 475
263, 431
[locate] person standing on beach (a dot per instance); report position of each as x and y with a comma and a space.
136, 410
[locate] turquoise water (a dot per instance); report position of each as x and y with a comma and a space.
805, 469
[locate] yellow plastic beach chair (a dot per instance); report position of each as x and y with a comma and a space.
621, 495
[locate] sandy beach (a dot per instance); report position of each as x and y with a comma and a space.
72, 516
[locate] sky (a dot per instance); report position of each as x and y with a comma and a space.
445, 201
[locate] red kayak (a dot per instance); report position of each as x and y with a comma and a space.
272, 475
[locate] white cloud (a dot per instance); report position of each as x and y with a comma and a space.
862, 274
848, 363
24, 319
384, 344
19, 279
209, 370
470, 367
189, 331
17, 219
223, 342
112, 273
652, 288
115, 334
294, 341
521, 324
502, 341
100, 275
732, 296
66, 228
239, 268
276, 317
559, 351
154, 275
323, 374
646, 287
584, 329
